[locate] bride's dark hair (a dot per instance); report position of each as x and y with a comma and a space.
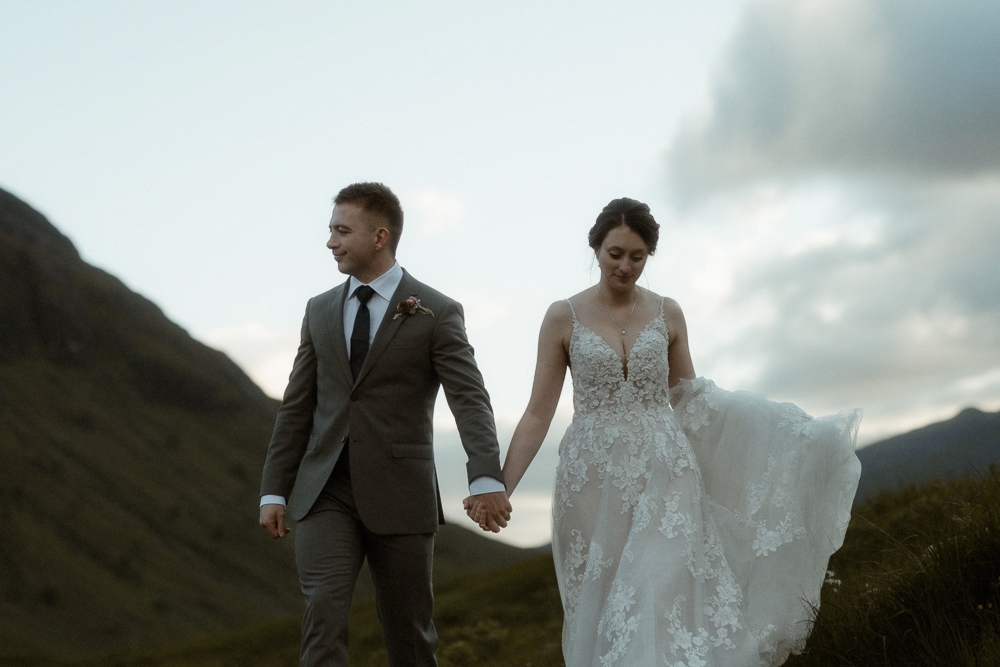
634, 214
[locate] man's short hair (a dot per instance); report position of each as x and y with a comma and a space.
376, 199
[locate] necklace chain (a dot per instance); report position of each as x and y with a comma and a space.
607, 312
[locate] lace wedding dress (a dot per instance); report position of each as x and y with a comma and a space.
692, 536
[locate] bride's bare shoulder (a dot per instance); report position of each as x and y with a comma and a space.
671, 308
557, 325
559, 313
673, 317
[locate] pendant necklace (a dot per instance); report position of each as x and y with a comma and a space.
608, 313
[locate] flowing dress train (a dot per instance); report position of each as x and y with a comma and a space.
696, 535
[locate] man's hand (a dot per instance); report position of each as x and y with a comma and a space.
272, 517
490, 510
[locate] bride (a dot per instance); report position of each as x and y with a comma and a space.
691, 525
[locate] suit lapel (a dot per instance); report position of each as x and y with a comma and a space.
390, 324
336, 319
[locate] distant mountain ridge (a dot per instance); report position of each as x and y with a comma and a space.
131, 458
967, 442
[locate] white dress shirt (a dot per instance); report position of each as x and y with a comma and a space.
385, 286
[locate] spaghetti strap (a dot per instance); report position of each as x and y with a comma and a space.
663, 318
573, 311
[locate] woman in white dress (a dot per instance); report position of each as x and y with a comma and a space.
691, 526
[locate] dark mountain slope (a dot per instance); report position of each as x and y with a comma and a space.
130, 460
130, 463
969, 441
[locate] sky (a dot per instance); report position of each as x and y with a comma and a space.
826, 175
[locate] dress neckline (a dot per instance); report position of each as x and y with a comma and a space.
623, 362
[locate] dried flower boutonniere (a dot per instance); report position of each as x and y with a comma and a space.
410, 306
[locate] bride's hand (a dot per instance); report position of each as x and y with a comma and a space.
476, 511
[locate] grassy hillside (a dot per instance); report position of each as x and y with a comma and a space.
916, 584
509, 617
131, 458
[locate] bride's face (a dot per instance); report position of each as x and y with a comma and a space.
622, 258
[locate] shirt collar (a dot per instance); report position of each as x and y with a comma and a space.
384, 285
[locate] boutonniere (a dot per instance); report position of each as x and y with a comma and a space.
410, 306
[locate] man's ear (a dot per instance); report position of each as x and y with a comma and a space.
381, 237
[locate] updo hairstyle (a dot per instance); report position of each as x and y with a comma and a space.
631, 213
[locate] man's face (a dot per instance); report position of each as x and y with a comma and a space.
352, 239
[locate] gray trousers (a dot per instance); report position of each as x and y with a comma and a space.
331, 543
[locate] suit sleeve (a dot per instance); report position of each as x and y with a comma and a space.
294, 421
468, 400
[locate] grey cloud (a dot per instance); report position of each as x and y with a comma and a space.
911, 314
859, 86
896, 103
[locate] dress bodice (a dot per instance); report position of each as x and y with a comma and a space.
605, 386
690, 535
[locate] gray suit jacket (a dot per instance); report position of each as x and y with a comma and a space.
387, 412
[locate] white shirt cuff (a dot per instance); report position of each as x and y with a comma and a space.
272, 500
485, 484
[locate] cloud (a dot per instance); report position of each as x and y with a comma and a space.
916, 306
890, 87
858, 145
885, 300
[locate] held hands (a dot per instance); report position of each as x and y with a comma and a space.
272, 517
490, 510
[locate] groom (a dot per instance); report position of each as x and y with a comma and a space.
352, 444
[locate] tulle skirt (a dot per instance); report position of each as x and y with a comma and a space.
717, 559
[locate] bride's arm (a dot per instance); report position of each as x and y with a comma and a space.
550, 372
678, 354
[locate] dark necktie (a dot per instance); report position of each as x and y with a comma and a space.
362, 329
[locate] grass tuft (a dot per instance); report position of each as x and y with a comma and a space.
919, 581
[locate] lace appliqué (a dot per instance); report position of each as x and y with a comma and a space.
616, 624
772, 494
612, 416
642, 546
701, 403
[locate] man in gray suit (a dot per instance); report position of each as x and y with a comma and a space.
352, 444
